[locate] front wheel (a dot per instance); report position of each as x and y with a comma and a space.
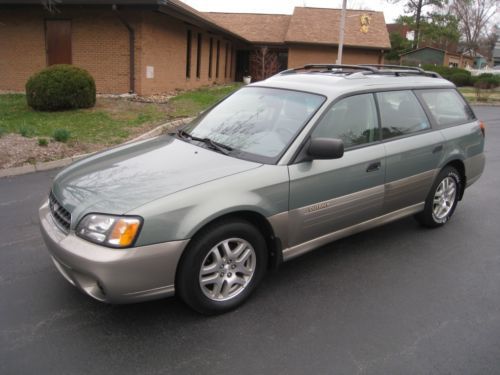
222, 266
442, 199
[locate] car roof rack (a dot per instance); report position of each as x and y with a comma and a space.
402, 70
331, 68
396, 70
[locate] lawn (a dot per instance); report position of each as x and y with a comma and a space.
110, 121
28, 136
492, 96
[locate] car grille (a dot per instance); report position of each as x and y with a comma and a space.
61, 216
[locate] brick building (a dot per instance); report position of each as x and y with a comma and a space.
155, 46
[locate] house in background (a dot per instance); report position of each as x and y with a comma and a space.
157, 46
435, 56
496, 50
309, 35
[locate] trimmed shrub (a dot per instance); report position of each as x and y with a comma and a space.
461, 79
61, 135
448, 73
60, 87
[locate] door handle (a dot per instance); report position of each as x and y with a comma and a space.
437, 149
374, 167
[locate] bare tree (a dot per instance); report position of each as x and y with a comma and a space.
415, 8
473, 17
50, 5
263, 63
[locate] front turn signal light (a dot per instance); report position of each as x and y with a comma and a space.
124, 232
483, 128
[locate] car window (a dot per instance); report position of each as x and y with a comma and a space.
257, 123
353, 120
447, 106
400, 113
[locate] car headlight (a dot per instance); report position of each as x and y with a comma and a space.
108, 230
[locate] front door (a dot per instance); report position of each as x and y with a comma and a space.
58, 41
330, 195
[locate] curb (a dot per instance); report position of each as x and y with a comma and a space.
48, 165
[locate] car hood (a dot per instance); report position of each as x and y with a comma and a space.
121, 179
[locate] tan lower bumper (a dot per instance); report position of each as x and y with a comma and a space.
112, 275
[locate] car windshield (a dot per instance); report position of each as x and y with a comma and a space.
256, 123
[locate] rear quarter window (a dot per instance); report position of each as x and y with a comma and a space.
446, 106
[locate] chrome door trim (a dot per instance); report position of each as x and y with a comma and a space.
294, 251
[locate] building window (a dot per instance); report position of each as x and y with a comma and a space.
230, 61
225, 62
198, 57
188, 54
210, 57
217, 60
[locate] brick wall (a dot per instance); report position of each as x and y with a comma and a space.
299, 55
164, 43
22, 47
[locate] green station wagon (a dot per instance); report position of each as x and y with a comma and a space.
276, 169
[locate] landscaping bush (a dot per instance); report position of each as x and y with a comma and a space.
43, 142
451, 74
461, 79
26, 131
483, 84
60, 87
61, 135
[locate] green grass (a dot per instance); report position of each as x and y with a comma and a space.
493, 96
102, 124
111, 121
191, 103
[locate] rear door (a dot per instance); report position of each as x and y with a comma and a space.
413, 149
329, 195
58, 41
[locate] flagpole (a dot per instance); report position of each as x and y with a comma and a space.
341, 32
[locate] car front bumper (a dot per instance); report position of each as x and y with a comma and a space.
112, 275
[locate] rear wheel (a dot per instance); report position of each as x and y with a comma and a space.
222, 266
442, 199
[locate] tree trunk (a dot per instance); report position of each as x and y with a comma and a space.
417, 24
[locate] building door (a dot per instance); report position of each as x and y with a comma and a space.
58, 41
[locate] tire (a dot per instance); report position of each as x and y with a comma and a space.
221, 267
442, 199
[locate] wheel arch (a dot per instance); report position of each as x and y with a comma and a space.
256, 219
459, 165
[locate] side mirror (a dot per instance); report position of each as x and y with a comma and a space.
325, 148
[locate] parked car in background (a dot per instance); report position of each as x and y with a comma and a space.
275, 170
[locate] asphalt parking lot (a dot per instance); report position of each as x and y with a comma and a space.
398, 299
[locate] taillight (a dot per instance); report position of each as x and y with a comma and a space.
483, 128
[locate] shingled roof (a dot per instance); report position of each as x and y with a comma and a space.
256, 28
321, 26
308, 26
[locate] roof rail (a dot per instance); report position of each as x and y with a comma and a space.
396, 70
402, 69
330, 67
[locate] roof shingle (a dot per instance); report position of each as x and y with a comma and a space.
256, 28
321, 26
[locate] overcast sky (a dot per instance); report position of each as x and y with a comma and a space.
391, 11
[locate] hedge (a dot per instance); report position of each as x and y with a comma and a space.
61, 87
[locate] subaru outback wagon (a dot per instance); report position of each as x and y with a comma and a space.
275, 170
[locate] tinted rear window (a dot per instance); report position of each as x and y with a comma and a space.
401, 113
447, 106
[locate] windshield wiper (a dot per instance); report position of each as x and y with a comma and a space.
212, 144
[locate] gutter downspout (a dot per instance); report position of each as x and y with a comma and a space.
131, 42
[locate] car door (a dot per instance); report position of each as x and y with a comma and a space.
330, 195
413, 149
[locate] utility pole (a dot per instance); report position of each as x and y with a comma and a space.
341, 32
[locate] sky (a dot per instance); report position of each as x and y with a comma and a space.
391, 11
